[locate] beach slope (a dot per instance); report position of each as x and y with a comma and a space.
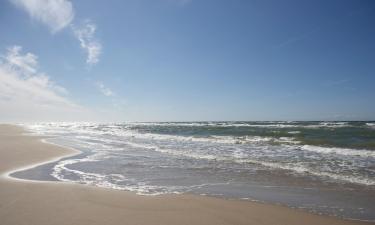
47, 203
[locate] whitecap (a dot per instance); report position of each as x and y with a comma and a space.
340, 151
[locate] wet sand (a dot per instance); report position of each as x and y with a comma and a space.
45, 203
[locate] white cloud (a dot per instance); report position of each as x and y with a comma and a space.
104, 90
56, 14
85, 35
26, 63
28, 95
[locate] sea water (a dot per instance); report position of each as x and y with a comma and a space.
323, 167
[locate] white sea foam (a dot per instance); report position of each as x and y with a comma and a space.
190, 154
212, 138
105, 180
240, 157
339, 151
294, 132
273, 152
301, 169
270, 124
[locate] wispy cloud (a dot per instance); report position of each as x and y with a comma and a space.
86, 36
340, 82
104, 90
297, 38
343, 84
56, 14
118, 103
26, 63
27, 93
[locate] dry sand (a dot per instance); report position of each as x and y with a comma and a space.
50, 203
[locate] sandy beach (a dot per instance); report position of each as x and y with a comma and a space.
39, 203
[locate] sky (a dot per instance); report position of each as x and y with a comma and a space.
186, 60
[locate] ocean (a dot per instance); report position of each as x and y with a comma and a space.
325, 167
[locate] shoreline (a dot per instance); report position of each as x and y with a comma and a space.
178, 209
7, 174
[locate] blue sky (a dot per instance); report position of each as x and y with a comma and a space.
182, 60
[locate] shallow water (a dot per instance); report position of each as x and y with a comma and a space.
325, 167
